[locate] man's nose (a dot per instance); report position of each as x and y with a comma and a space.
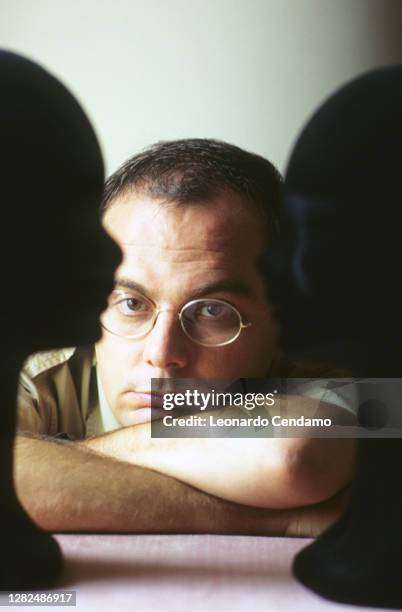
166, 344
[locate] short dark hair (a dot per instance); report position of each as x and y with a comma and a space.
198, 169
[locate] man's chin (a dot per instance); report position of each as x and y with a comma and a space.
139, 416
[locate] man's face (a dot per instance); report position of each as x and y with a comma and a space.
172, 255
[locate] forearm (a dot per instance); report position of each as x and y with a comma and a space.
67, 488
239, 470
263, 472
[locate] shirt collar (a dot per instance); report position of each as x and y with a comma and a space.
109, 421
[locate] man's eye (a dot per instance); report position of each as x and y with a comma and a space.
212, 310
130, 306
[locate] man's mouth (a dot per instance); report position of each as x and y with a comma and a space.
146, 399
141, 407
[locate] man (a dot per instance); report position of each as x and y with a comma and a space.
192, 218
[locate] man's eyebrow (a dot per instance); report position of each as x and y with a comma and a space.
127, 283
221, 286
224, 286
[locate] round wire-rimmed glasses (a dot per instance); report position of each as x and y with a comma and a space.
206, 321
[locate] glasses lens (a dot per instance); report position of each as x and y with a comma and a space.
128, 315
210, 322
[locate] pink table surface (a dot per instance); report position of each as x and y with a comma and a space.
188, 573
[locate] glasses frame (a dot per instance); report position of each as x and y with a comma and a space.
158, 311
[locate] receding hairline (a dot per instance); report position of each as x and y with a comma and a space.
187, 172
246, 202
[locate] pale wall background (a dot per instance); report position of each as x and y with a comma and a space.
246, 71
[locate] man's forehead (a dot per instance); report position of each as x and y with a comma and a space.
143, 225
182, 252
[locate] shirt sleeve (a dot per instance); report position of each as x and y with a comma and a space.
339, 392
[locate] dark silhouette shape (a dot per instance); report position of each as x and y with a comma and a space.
57, 266
336, 283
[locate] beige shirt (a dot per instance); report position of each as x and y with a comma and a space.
60, 392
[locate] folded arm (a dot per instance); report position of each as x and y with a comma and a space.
263, 472
67, 488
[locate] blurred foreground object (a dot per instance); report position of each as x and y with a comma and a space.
335, 281
57, 267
